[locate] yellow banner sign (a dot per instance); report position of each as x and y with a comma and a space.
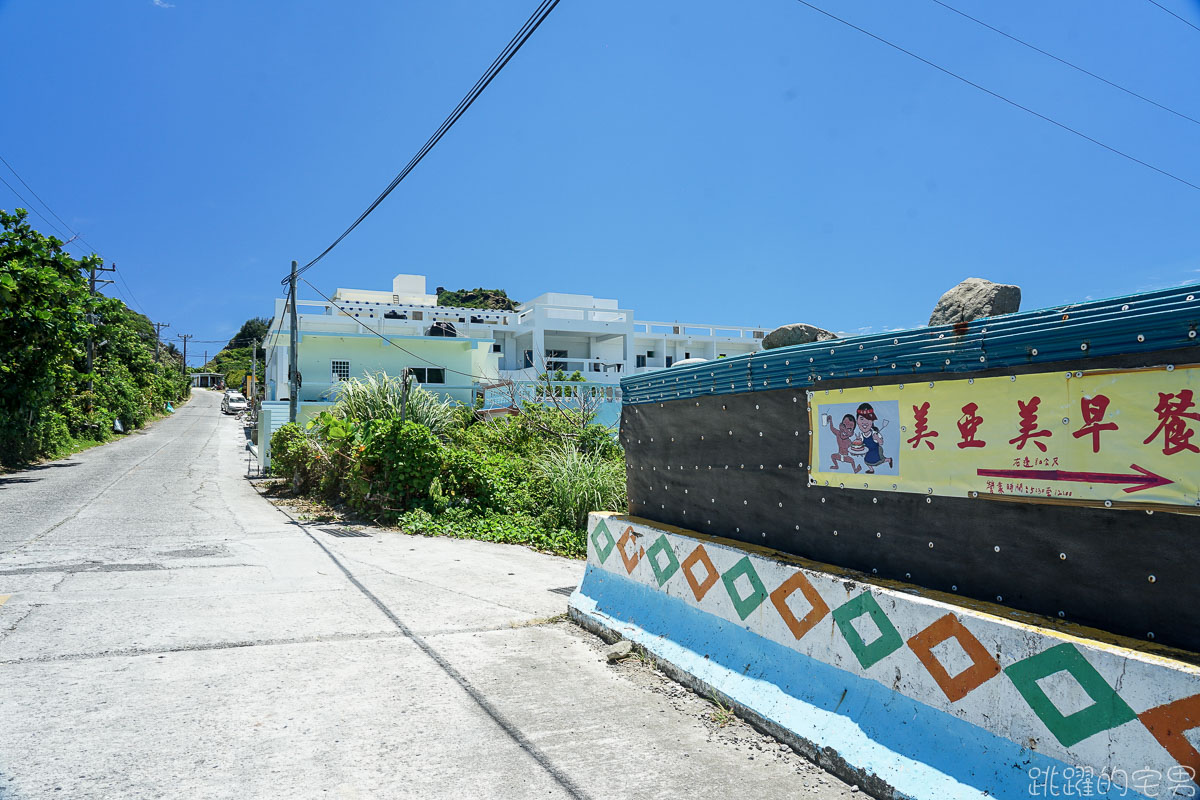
1093, 437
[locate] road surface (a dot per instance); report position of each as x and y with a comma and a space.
167, 632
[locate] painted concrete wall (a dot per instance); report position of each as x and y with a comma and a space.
917, 696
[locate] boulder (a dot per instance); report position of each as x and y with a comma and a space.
620, 650
796, 333
975, 298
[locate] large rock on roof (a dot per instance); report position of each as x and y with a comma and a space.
975, 298
796, 333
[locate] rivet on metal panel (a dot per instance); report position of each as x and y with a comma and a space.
1062, 556
1012, 377
931, 545
893, 366
1150, 635
908, 574
731, 433
1141, 338
947, 362
822, 499
874, 499
870, 388
1033, 352
895, 341
760, 434
1170, 367
1066, 420
1108, 503
918, 363
713, 500
741, 466
764, 534
831, 351
708, 522
835, 533
902, 386
760, 466
1191, 297
983, 358
875, 358
974, 494
999, 599
1125, 307
874, 571
1151, 578
984, 330
795, 433
954, 588
652, 438
672, 438
931, 384
810, 360
878, 535
1191, 334
702, 437
841, 486
970, 380
893, 486
1083, 346
1149, 510
787, 363
928, 499
788, 381
737, 530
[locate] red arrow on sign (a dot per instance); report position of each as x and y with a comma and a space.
1146, 480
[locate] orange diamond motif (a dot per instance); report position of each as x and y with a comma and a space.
1168, 723
699, 555
631, 561
819, 609
983, 667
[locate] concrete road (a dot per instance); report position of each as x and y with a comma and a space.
169, 633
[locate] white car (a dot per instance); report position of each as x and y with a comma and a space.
233, 402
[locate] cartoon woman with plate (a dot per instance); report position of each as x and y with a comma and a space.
870, 441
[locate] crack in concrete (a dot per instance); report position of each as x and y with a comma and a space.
151, 651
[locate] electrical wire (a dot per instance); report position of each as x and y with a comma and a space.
1189, 23
998, 96
35, 194
33, 208
1076, 67
535, 20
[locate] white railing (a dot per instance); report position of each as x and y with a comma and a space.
692, 329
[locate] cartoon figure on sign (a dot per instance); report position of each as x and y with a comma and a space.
870, 440
844, 435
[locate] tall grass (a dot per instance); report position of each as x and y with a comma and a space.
580, 482
378, 396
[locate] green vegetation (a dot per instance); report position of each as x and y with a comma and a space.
526, 479
234, 359
50, 405
489, 299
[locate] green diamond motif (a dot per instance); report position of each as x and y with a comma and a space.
889, 640
744, 605
664, 573
1107, 710
603, 540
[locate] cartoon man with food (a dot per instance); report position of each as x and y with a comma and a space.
843, 434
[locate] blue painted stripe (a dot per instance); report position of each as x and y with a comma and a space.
921, 751
1165, 320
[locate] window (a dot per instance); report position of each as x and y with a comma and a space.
641, 361
552, 366
496, 348
341, 370
649, 354
428, 374
670, 361
687, 355
528, 359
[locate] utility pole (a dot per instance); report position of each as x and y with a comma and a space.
253, 369
293, 338
158, 326
185, 338
92, 318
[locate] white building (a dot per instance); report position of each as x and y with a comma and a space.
553, 331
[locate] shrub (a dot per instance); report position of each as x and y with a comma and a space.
379, 397
578, 482
296, 457
395, 467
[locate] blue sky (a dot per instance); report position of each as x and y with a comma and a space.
729, 162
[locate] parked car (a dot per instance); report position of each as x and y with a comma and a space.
233, 402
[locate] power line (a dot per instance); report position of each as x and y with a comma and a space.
1189, 23
30, 206
1076, 67
535, 20
998, 96
35, 194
